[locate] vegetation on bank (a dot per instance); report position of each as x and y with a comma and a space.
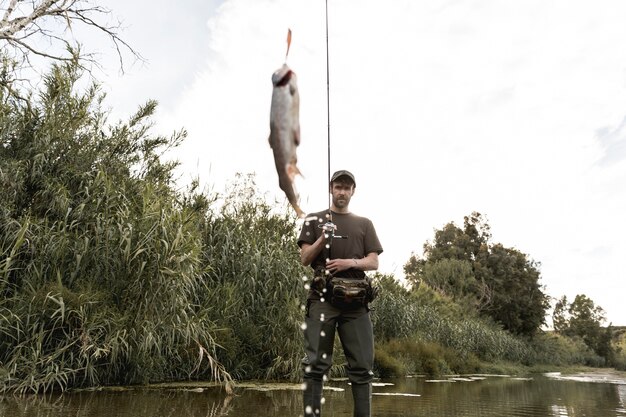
109, 274
438, 337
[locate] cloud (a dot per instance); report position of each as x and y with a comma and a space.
613, 144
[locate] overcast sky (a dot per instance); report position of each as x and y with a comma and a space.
514, 109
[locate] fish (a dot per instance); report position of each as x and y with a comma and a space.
285, 132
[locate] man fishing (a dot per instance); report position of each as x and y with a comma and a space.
339, 246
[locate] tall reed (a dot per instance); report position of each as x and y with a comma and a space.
255, 284
398, 314
102, 268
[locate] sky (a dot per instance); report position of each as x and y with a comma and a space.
514, 109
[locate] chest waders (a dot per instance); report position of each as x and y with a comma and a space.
356, 334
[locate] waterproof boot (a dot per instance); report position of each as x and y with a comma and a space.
312, 398
362, 395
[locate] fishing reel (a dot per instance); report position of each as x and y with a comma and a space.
322, 275
329, 231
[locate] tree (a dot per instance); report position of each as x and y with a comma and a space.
452, 242
451, 277
560, 321
583, 318
499, 282
584, 315
517, 300
45, 28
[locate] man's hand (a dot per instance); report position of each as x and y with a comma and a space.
369, 263
329, 227
338, 265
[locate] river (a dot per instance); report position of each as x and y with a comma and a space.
535, 396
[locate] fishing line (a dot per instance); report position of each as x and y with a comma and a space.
328, 108
329, 227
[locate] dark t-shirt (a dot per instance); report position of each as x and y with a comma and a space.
361, 238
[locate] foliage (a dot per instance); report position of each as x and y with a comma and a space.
400, 357
559, 350
398, 315
255, 285
619, 342
393, 315
386, 365
499, 282
559, 318
582, 319
102, 266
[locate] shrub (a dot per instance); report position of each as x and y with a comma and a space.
386, 365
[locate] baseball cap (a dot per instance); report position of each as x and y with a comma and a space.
343, 173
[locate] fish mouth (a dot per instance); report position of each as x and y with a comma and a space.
284, 80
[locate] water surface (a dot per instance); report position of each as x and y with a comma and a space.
492, 396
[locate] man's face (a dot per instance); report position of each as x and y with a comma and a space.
342, 192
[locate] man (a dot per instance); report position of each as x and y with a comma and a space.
344, 248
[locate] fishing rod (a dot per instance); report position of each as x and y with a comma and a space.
329, 227
328, 105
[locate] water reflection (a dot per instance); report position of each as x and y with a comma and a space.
558, 410
516, 397
621, 390
492, 396
126, 403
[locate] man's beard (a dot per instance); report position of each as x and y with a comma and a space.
341, 202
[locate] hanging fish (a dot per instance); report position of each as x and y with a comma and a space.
285, 129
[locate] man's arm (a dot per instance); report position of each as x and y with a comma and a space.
369, 263
308, 252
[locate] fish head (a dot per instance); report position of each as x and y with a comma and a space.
282, 76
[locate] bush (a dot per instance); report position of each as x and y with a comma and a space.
400, 357
556, 349
386, 365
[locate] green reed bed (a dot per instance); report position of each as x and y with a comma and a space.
102, 266
423, 337
255, 285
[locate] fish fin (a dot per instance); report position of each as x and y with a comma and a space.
292, 170
273, 137
296, 136
296, 203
